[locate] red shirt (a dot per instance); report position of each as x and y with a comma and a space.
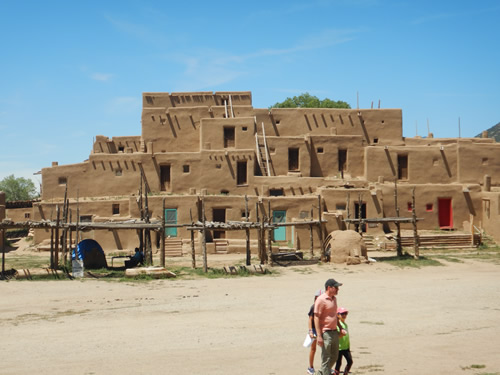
325, 308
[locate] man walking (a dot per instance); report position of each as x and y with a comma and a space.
326, 322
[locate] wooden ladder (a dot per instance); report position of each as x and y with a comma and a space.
262, 152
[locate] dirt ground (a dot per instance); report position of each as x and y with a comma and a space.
432, 320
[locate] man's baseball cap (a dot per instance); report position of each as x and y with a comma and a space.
332, 282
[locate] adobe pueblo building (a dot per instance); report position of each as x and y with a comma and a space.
291, 164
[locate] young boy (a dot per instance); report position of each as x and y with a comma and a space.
344, 344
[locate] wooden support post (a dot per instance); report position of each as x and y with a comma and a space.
311, 235
56, 250
70, 238
162, 236
51, 248
360, 211
471, 220
399, 248
77, 233
269, 233
203, 237
259, 235
247, 234
2, 246
193, 250
348, 210
416, 240
320, 228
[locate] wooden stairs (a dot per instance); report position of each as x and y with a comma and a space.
173, 247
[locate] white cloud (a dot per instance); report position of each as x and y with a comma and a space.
101, 76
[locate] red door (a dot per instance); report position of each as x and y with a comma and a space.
445, 212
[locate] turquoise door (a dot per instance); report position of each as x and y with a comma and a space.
279, 233
171, 218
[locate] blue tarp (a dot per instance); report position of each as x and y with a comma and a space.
91, 253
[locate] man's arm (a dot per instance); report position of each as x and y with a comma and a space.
319, 330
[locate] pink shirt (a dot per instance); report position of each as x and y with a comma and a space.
325, 308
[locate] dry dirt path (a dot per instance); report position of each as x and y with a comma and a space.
434, 320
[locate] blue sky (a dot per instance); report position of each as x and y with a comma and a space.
71, 70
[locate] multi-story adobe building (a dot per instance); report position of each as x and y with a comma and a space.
217, 145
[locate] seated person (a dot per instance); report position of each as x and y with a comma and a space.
137, 258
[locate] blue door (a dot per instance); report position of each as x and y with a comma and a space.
171, 218
279, 233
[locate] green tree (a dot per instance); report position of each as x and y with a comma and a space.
307, 100
18, 189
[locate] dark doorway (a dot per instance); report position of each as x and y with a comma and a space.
342, 161
241, 173
164, 177
293, 159
219, 215
402, 167
228, 136
357, 212
445, 213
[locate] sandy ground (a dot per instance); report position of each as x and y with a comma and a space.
433, 320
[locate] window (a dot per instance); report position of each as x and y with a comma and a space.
244, 128
185, 168
293, 159
375, 140
85, 218
340, 206
27, 215
320, 150
429, 207
121, 148
218, 166
485, 161
228, 136
276, 192
116, 209
243, 215
224, 192
118, 172
62, 181
402, 167
241, 173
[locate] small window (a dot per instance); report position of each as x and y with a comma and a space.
435, 162
375, 140
303, 214
278, 122
118, 172
244, 128
320, 150
224, 192
243, 216
27, 215
63, 180
185, 168
429, 207
276, 192
340, 206
218, 166
485, 161
85, 218
121, 148
116, 209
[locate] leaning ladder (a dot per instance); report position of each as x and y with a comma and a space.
262, 155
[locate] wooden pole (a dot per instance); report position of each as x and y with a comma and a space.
2, 245
51, 248
247, 234
348, 210
77, 233
193, 253
414, 222
259, 236
320, 227
203, 237
269, 233
70, 237
360, 226
399, 248
56, 250
162, 236
65, 220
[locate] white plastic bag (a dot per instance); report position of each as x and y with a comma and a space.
308, 341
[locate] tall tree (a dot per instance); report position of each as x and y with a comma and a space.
18, 189
307, 100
